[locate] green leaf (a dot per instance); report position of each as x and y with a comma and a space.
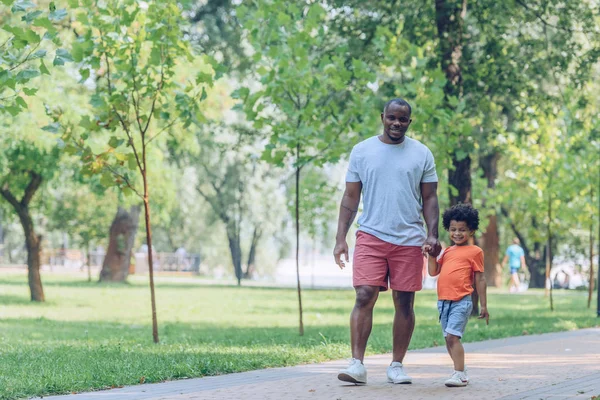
52, 6
62, 56
44, 23
115, 142
203, 77
85, 74
43, 68
58, 15
21, 102
52, 128
7, 2
30, 91
21, 5
204, 95
127, 191
30, 17
107, 180
131, 162
38, 54
27, 74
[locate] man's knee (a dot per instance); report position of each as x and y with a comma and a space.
366, 296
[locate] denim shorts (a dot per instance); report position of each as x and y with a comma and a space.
454, 315
514, 270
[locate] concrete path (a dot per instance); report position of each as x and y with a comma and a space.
550, 366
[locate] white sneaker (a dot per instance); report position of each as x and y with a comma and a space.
458, 379
355, 373
395, 373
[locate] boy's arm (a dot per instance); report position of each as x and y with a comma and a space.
432, 266
481, 287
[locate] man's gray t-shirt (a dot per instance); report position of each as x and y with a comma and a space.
391, 176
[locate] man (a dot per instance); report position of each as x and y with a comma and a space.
516, 259
398, 181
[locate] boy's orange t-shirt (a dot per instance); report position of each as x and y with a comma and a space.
458, 265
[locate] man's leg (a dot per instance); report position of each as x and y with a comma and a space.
361, 319
404, 323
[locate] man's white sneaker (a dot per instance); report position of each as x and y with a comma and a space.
458, 379
395, 373
355, 373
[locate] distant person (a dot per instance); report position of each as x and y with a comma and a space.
516, 260
396, 176
459, 267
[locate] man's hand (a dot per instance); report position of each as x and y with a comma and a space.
483, 314
434, 246
341, 248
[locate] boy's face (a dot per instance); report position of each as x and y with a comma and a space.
459, 232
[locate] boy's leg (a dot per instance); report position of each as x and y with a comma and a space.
456, 351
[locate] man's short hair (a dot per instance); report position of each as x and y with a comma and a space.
397, 101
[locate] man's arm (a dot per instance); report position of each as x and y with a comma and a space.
481, 287
431, 212
348, 211
504, 260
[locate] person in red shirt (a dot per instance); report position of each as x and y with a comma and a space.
459, 267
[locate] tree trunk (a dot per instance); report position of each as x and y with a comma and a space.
301, 326
32, 240
88, 259
252, 254
236, 252
150, 259
450, 20
115, 267
591, 285
490, 239
33, 244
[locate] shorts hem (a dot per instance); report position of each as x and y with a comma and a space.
382, 288
411, 289
453, 332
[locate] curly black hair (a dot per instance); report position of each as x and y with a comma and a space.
461, 212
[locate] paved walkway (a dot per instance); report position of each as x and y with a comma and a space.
550, 366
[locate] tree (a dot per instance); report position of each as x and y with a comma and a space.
134, 48
312, 97
26, 34
80, 207
24, 168
230, 171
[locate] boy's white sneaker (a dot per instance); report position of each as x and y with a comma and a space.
458, 379
395, 373
355, 373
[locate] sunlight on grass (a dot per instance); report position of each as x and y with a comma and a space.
92, 336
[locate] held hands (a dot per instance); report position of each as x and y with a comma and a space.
341, 248
483, 314
431, 247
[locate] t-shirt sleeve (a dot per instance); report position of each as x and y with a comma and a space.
440, 257
353, 172
521, 252
429, 173
477, 261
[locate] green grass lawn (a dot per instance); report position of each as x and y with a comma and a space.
90, 336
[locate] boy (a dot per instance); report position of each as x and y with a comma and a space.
458, 267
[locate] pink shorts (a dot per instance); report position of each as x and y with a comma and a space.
376, 262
